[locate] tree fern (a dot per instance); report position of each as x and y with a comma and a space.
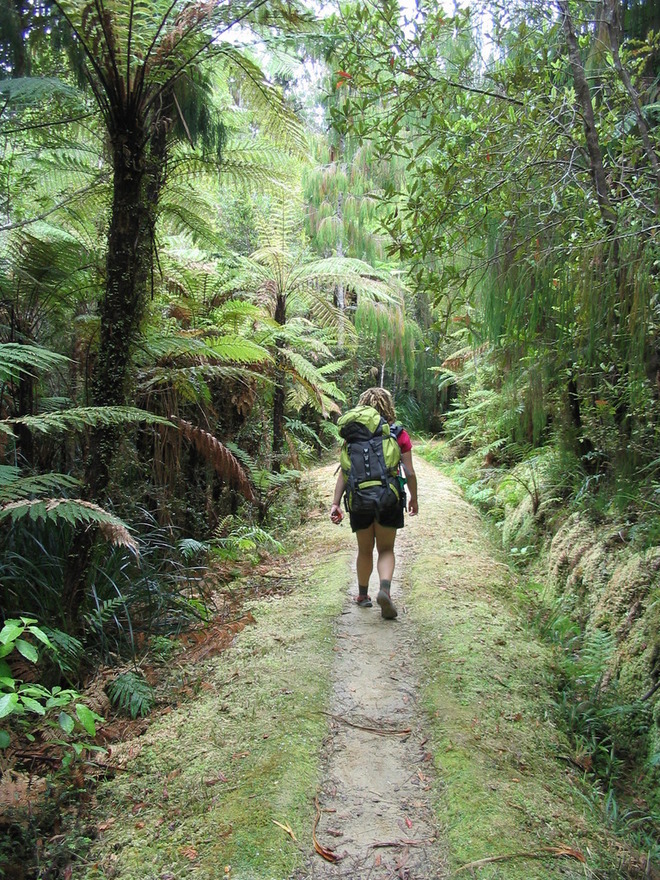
73, 511
16, 359
225, 464
78, 418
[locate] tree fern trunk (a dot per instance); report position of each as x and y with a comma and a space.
128, 267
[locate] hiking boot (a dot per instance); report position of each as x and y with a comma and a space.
387, 608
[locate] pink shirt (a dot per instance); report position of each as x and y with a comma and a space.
404, 441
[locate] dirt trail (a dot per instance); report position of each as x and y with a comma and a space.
376, 812
428, 741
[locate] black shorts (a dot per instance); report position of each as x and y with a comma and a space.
389, 519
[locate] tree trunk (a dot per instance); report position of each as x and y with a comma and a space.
128, 268
583, 95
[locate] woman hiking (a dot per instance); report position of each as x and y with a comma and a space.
379, 526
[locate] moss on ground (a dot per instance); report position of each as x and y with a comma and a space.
209, 780
505, 784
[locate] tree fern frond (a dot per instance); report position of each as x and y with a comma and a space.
81, 417
300, 429
16, 359
225, 464
14, 485
73, 511
35, 89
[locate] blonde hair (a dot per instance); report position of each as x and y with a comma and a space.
381, 400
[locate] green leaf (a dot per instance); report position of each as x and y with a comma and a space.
86, 718
66, 722
41, 635
5, 739
27, 650
33, 706
5, 670
10, 632
8, 704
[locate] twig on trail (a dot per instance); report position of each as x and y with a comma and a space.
554, 851
381, 731
382, 843
327, 854
286, 828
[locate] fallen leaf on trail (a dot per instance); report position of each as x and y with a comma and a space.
334, 832
326, 854
266, 735
408, 822
140, 824
240, 754
377, 860
219, 777
286, 828
518, 716
166, 794
139, 806
173, 774
189, 852
105, 825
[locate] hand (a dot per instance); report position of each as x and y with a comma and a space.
335, 514
413, 509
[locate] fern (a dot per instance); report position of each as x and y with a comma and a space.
85, 417
16, 359
132, 693
225, 464
244, 539
303, 431
73, 511
14, 485
192, 549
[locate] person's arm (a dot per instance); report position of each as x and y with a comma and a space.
335, 511
411, 477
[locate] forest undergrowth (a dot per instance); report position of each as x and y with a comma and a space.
587, 586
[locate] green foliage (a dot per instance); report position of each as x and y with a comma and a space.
604, 733
26, 699
233, 540
131, 693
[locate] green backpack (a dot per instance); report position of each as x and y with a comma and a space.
369, 460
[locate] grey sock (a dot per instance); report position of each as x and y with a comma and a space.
385, 585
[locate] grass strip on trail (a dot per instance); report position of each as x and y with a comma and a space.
503, 790
228, 778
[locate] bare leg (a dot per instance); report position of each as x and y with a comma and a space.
385, 538
365, 555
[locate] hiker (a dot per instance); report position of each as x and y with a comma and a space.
380, 524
